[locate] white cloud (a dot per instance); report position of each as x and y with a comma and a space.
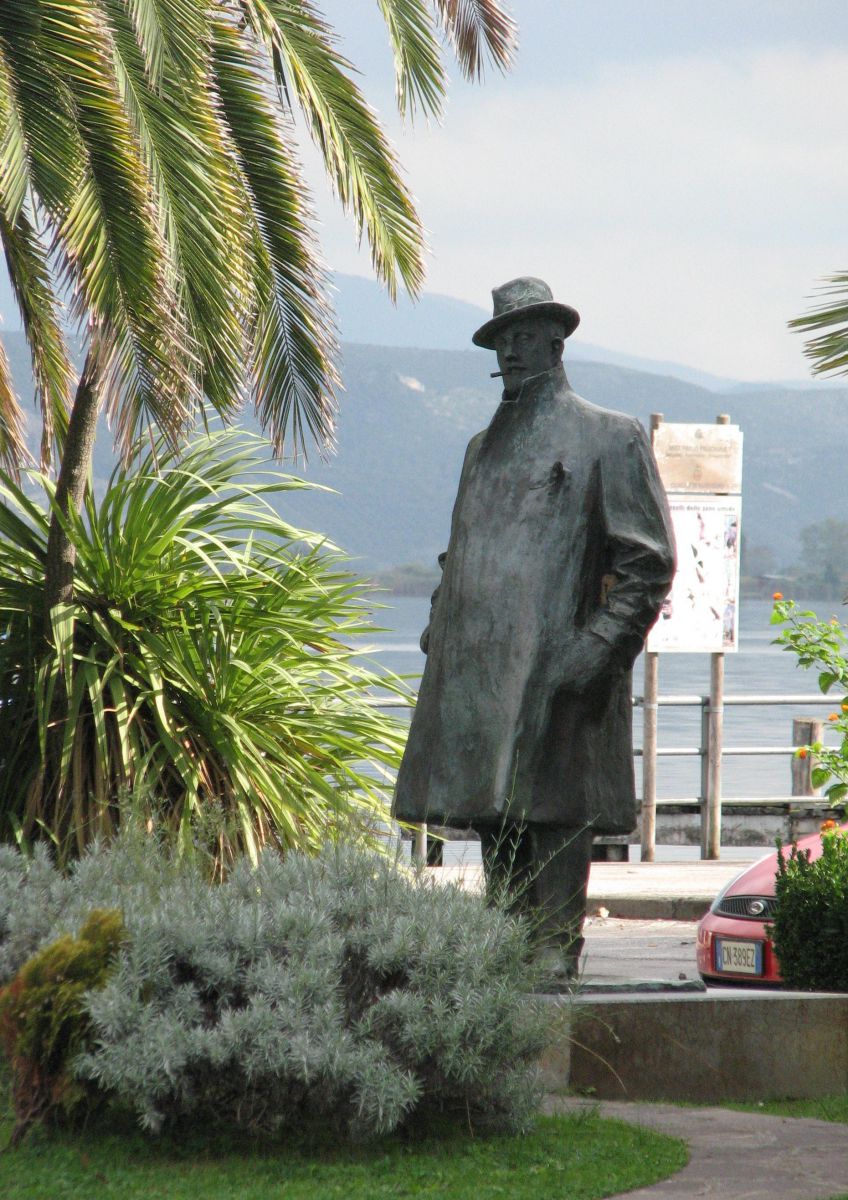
409, 381
687, 207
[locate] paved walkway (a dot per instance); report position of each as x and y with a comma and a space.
738, 1156
680, 891
625, 950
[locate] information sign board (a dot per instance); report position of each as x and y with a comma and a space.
699, 458
701, 613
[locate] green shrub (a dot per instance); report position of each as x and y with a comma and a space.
821, 646
43, 1018
336, 988
205, 659
810, 930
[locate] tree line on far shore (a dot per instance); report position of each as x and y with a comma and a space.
818, 571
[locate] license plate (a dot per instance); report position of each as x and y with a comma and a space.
738, 958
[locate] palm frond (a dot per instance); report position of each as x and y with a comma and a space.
188, 155
54, 150
478, 30
29, 273
170, 32
829, 350
359, 160
293, 341
419, 75
114, 255
14, 169
13, 449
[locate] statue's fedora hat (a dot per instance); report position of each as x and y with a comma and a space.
524, 297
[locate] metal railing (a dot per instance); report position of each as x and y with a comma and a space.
711, 799
802, 788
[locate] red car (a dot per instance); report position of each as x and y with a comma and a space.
733, 944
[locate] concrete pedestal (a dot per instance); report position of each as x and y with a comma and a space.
704, 1048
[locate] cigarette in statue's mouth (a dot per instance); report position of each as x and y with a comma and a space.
496, 374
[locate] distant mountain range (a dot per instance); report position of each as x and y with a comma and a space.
434, 322
407, 413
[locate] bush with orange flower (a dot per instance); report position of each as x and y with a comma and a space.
821, 646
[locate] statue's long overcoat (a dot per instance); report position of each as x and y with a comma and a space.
555, 495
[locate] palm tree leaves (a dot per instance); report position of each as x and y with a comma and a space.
86, 176
39, 103
14, 170
191, 172
115, 255
207, 648
294, 341
140, 137
418, 61
828, 350
171, 32
477, 29
358, 158
29, 272
12, 442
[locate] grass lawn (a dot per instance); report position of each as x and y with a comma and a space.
828, 1108
580, 1156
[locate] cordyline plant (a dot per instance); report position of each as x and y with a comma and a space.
149, 176
211, 681
821, 646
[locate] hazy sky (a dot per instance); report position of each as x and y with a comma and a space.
678, 171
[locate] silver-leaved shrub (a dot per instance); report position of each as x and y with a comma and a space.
336, 988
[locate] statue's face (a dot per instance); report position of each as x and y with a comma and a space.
525, 347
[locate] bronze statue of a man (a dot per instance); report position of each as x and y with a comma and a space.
560, 555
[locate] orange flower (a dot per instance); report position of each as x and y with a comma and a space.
777, 596
802, 753
833, 717
844, 707
828, 825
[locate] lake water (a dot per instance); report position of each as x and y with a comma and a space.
757, 667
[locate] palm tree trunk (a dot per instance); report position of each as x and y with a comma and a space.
77, 454
76, 458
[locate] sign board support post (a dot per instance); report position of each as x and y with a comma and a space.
711, 818
649, 756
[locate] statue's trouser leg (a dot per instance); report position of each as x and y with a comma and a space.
541, 871
563, 858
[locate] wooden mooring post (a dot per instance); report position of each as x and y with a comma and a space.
805, 731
